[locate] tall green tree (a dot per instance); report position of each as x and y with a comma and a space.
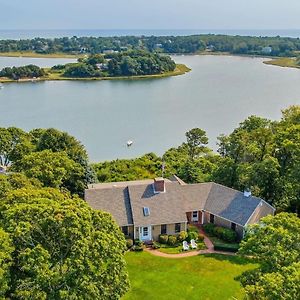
196, 141
14, 144
53, 169
63, 248
274, 243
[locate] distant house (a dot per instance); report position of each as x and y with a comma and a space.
102, 66
210, 48
158, 46
267, 50
110, 51
147, 208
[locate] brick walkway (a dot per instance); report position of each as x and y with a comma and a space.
209, 245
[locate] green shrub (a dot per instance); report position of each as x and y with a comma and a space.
129, 243
182, 236
138, 242
192, 228
172, 240
192, 235
163, 238
200, 237
218, 231
137, 248
229, 235
155, 245
209, 228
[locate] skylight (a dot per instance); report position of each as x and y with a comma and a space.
146, 211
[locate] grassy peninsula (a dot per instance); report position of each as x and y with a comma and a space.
288, 62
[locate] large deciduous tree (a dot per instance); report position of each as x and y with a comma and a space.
52, 169
274, 243
14, 144
63, 248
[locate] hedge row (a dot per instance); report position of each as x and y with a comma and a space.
223, 233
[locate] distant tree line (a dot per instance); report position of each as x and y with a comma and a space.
29, 71
273, 46
127, 63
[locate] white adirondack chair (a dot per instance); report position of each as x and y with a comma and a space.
185, 246
193, 244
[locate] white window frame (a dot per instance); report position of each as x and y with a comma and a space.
195, 219
145, 229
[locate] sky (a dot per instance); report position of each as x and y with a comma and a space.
149, 14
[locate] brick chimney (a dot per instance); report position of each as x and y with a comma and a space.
159, 185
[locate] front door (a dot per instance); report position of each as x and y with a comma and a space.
145, 233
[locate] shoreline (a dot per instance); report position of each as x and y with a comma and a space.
76, 56
180, 69
278, 61
283, 62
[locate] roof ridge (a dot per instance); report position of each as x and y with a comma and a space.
212, 183
238, 191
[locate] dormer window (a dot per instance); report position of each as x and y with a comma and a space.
146, 211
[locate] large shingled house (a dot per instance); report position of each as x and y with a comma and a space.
147, 208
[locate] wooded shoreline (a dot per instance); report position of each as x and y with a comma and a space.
180, 69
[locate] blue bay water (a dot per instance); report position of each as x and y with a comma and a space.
216, 95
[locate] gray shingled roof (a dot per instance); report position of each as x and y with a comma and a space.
165, 208
230, 204
195, 195
113, 200
125, 201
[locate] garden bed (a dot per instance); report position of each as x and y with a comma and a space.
223, 239
178, 248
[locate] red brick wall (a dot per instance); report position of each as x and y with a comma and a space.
189, 217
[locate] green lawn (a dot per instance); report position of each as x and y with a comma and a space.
203, 277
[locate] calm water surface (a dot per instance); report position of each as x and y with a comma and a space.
220, 92
22, 61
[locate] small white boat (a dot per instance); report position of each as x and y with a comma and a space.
1, 87
129, 143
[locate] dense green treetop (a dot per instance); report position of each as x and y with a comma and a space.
127, 63
53, 157
63, 248
6, 250
29, 71
274, 243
